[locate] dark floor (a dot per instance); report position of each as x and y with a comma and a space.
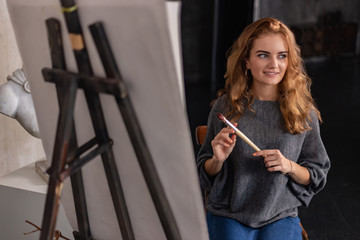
333, 214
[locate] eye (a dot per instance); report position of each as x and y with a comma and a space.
262, 55
282, 56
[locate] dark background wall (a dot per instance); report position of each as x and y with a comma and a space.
325, 27
209, 28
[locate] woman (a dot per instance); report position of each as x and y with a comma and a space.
267, 95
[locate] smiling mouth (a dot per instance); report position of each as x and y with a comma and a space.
271, 73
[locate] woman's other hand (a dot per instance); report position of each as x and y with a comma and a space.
275, 161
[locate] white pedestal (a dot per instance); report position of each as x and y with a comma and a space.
22, 197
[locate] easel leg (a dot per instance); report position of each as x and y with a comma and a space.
108, 160
58, 62
93, 101
77, 185
132, 124
63, 134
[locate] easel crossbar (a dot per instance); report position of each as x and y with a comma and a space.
101, 85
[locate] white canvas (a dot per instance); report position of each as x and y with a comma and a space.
139, 36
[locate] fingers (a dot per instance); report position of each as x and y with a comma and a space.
226, 142
267, 152
275, 169
223, 137
274, 160
223, 144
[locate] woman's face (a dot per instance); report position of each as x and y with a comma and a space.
268, 60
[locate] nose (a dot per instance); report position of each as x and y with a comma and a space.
273, 62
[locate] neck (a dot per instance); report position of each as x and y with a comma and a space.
267, 93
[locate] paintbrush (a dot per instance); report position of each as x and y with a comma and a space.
238, 132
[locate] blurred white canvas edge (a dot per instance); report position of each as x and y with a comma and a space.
173, 9
139, 37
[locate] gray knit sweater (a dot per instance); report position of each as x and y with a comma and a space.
244, 190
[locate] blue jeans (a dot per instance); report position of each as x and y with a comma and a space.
223, 228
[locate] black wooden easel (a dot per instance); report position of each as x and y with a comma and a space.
68, 157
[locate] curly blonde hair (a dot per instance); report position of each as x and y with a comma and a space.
296, 101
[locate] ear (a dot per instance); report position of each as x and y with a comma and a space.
247, 64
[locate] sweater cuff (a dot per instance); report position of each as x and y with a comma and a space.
206, 181
305, 193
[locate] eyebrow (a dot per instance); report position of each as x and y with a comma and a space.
262, 51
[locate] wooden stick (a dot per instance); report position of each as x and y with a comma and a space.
238, 132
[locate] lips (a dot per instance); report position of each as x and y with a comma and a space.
271, 73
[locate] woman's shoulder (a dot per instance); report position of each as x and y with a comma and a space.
314, 115
220, 105
314, 120
221, 102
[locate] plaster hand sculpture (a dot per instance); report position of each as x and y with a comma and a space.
16, 102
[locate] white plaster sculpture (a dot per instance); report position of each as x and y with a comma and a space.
16, 102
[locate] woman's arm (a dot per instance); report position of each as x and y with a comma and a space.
299, 173
213, 166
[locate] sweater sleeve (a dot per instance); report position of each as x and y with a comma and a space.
213, 127
314, 157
